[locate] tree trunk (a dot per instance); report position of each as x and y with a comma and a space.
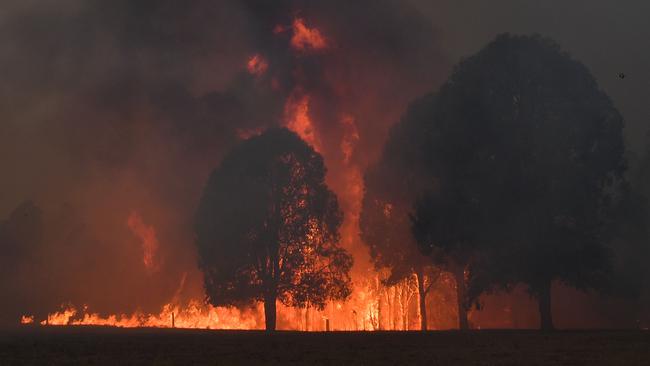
403, 298
269, 312
545, 313
422, 296
393, 308
388, 312
380, 296
459, 276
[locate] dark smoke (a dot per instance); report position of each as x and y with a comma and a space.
608, 38
113, 107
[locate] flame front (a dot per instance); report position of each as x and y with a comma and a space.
194, 315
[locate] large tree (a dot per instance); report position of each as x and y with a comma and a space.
391, 185
445, 224
267, 228
552, 137
452, 220
633, 237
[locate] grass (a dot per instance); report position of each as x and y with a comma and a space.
110, 346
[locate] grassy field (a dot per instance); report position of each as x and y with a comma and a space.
105, 346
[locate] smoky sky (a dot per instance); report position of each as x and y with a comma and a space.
86, 56
112, 107
609, 38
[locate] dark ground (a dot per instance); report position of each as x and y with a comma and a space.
106, 346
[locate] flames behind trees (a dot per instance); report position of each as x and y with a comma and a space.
167, 116
267, 228
144, 100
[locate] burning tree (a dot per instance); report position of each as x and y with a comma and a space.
267, 228
533, 149
391, 185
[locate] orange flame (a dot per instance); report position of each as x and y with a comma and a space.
195, 315
147, 235
372, 306
60, 318
305, 38
297, 119
257, 65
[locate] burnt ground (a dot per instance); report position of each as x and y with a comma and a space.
110, 346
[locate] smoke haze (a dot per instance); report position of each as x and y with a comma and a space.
121, 108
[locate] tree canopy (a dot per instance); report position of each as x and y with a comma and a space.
267, 228
391, 185
526, 139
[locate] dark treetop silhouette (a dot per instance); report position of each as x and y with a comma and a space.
450, 217
267, 228
527, 143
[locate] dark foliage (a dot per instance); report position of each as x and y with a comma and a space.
267, 228
391, 185
529, 142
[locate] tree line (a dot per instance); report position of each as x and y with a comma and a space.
513, 172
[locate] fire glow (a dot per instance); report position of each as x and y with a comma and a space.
257, 65
372, 306
147, 235
305, 38
297, 118
193, 316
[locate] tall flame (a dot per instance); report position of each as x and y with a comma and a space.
297, 119
372, 305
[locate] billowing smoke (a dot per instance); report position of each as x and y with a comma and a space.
114, 113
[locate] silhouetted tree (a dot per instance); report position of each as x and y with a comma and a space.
535, 117
633, 237
452, 222
444, 224
453, 212
391, 185
267, 228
